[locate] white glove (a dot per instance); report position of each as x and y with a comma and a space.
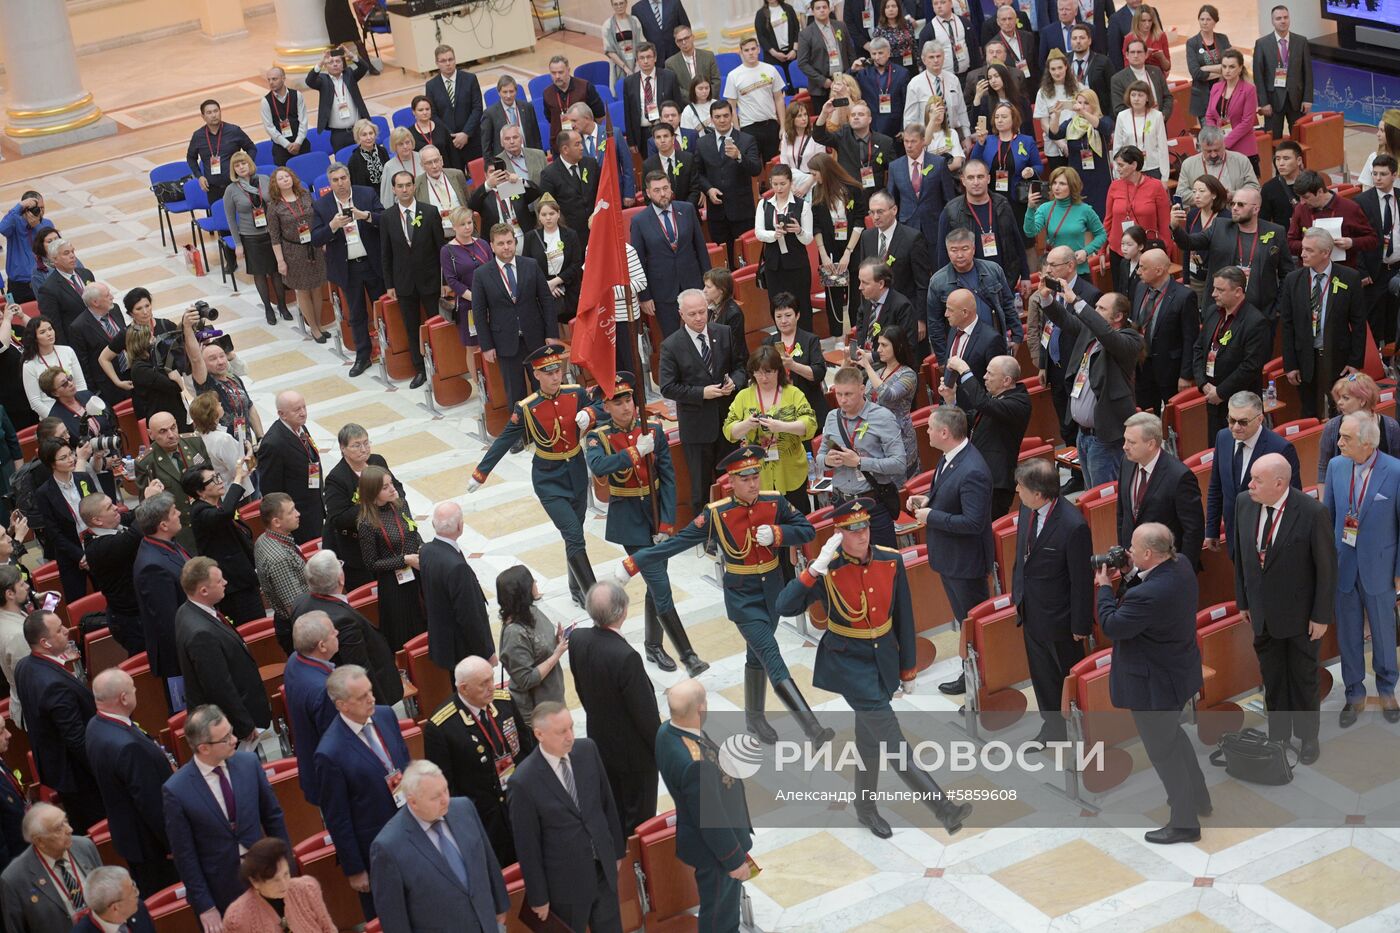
582, 419
620, 576
827, 555
659, 537
764, 535
646, 444
472, 486
908, 686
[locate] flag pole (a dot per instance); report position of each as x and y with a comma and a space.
634, 339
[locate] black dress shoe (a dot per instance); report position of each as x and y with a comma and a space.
657, 655
286, 315
322, 337
1170, 835
873, 821
954, 687
1347, 719
359, 368
418, 381
518, 446
1309, 752
271, 315
1075, 483
1205, 808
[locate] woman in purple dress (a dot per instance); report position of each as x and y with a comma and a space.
460, 259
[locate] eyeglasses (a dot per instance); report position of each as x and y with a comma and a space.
229, 739
358, 445
1241, 422
64, 384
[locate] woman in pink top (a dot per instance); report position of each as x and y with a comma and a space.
1233, 106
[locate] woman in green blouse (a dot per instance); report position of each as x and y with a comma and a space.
773, 413
1066, 219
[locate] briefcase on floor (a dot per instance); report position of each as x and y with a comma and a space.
1252, 756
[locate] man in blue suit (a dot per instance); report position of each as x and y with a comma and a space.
218, 804
672, 250
359, 765
432, 864
159, 561
347, 225
659, 19
309, 710
596, 145
1363, 497
1157, 669
1237, 448
514, 312
455, 95
130, 769
957, 513
921, 185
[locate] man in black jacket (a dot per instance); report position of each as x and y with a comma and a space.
1245, 240
881, 306
90, 333
1165, 313
1154, 486
999, 409
989, 216
728, 159
111, 554
1322, 310
458, 622
341, 104
863, 153
1232, 348
514, 312
510, 110
342, 501
412, 274
456, 98
620, 703
214, 660
222, 535
572, 180
683, 173
288, 461
61, 296
905, 253
642, 93
1277, 193
358, 640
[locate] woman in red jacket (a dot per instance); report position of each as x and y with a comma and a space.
1233, 106
1135, 199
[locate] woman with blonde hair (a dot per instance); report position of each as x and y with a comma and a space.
838, 117
1088, 136
245, 206
1147, 26
301, 265
405, 159
939, 137
366, 163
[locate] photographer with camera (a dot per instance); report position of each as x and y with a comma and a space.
1157, 667
20, 225
210, 370
87, 417
156, 382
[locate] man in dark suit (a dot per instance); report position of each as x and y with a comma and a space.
289, 462
862, 152
881, 306
61, 296
620, 701
342, 501
1091, 68
458, 622
904, 251
359, 764
309, 710
456, 98
510, 110
477, 738
642, 93
90, 333
700, 370
1381, 205
1244, 240
567, 832
340, 103
13, 806
1051, 587
1283, 74
514, 311
824, 50
572, 180
34, 895
671, 248
1000, 409
358, 641
410, 254
728, 159
1056, 31
969, 337
1157, 669
1232, 348
156, 573
1237, 449
1155, 487
130, 769
1165, 313
1122, 22
1099, 369
921, 185
884, 82
347, 225
660, 30
1285, 578
217, 805
433, 865
1322, 310
57, 706
214, 659
678, 166
114, 903
111, 554
1137, 69
957, 513
516, 210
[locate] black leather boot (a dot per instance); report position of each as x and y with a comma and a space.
580, 576
792, 698
950, 814
651, 638
671, 623
755, 723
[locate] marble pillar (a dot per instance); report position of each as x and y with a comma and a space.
47, 106
301, 35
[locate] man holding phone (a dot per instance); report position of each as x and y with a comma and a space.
347, 225
862, 444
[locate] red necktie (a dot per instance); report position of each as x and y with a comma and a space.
1139, 491
915, 177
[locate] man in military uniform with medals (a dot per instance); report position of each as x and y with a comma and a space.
867, 652
749, 527
713, 830
553, 419
635, 456
477, 738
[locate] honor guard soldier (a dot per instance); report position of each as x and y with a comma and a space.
477, 738
713, 830
637, 464
749, 528
554, 420
867, 652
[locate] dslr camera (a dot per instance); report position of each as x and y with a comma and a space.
1115, 558
169, 350
101, 443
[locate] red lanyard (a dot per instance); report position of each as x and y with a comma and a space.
484, 721
215, 142
1003, 159
1270, 531
1132, 191
501, 271
1222, 324
763, 406
310, 451
295, 207
869, 150
285, 115
59, 885
1063, 217
175, 549
400, 525
1137, 140
972, 209
428, 136
1352, 501
446, 195
889, 78
1239, 249
1161, 297
312, 662
47, 364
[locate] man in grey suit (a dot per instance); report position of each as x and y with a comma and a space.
431, 866
1285, 574
823, 50
1137, 69
30, 896
690, 62
1283, 74
519, 158
510, 110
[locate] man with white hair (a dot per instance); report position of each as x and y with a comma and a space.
289, 461
89, 335
458, 622
433, 835
61, 296
42, 890
114, 904
358, 641
443, 188
476, 738
309, 709
1322, 310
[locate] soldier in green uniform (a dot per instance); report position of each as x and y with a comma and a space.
169, 457
749, 527
867, 652
554, 420
637, 464
713, 831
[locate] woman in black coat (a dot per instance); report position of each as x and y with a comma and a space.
802, 354
153, 389
219, 533
558, 252
342, 497
366, 163
70, 482
768, 37
390, 543
719, 295
425, 130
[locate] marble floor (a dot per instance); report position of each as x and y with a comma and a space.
843, 878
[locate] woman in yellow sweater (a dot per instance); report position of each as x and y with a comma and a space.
773, 413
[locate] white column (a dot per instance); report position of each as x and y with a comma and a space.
301, 34
47, 107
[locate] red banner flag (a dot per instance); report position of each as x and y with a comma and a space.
604, 269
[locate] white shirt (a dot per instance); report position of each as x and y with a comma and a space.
1146, 470
752, 89
952, 36
695, 339
951, 455
432, 835
1264, 521
354, 248
212, 781
342, 95
456, 546
556, 764
69, 491
1249, 444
